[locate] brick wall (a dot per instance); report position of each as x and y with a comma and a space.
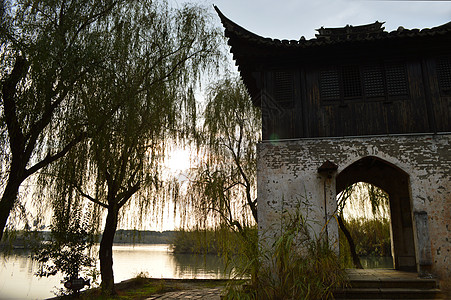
288, 176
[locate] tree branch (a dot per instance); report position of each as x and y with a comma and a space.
89, 197
16, 137
127, 194
51, 158
91, 19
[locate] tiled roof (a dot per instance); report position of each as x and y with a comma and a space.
329, 36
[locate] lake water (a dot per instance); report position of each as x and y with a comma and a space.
18, 282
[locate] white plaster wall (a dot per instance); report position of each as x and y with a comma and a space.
287, 173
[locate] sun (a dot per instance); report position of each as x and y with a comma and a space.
178, 161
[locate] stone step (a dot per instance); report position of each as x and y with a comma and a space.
396, 283
388, 284
387, 293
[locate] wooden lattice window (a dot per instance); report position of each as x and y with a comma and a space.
284, 88
351, 82
444, 75
329, 84
396, 76
377, 81
373, 81
340, 83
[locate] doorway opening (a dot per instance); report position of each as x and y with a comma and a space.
395, 183
364, 227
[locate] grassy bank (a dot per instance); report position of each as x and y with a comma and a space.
141, 287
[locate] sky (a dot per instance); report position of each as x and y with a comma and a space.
291, 19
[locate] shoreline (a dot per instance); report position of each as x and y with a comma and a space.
143, 288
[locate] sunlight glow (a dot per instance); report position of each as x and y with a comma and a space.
359, 206
178, 161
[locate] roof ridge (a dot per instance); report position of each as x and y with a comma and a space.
330, 35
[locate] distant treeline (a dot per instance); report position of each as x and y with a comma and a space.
26, 239
208, 241
143, 237
23, 239
371, 238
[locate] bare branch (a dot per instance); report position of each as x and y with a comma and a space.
89, 197
51, 158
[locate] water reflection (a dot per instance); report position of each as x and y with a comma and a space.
18, 282
157, 261
373, 262
200, 266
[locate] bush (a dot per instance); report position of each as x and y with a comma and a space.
220, 241
67, 252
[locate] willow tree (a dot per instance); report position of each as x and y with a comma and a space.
361, 194
224, 184
47, 49
155, 57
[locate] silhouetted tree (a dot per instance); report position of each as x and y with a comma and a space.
69, 248
48, 48
141, 98
223, 185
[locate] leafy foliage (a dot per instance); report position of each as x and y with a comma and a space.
98, 87
361, 195
358, 197
222, 187
372, 236
140, 98
48, 49
220, 241
197, 241
68, 252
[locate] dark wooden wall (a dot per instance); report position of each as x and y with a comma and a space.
303, 100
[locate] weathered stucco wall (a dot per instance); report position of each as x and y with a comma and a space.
288, 175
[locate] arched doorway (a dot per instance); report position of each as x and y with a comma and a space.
396, 183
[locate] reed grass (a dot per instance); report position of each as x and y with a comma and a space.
295, 266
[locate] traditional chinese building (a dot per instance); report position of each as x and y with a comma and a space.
355, 104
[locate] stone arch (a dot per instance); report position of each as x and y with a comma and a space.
395, 182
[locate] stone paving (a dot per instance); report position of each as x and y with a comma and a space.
354, 274
203, 294
381, 274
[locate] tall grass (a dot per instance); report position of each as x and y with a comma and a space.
295, 266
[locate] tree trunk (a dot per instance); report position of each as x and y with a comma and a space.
16, 141
7, 202
106, 252
355, 257
9, 197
